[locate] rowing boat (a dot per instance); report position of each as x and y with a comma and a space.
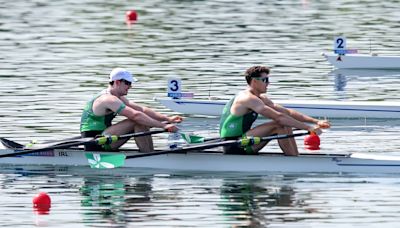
215, 161
363, 61
384, 73
331, 109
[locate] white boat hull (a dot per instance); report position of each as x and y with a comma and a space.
358, 61
331, 109
218, 162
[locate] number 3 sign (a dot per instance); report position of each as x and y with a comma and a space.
174, 85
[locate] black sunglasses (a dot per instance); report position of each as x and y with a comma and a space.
128, 83
265, 80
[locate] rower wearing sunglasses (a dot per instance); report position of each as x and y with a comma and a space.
99, 112
241, 112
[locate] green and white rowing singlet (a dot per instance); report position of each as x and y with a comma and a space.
92, 122
235, 126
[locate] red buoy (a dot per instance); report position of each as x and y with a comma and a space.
131, 16
41, 203
312, 141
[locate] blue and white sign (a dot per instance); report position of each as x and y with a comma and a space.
174, 85
339, 44
174, 89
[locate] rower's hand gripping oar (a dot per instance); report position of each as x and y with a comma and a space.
84, 141
117, 160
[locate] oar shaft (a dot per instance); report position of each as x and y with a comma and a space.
284, 136
84, 141
243, 142
183, 150
62, 140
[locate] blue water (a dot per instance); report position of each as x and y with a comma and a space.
55, 55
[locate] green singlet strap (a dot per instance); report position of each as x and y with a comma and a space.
120, 108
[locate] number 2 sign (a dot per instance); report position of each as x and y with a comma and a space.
339, 43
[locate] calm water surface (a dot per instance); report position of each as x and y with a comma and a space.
55, 55
130, 198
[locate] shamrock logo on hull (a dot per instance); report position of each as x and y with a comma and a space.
105, 161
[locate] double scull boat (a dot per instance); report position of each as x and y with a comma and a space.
215, 161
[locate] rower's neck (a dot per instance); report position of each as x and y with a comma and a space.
254, 91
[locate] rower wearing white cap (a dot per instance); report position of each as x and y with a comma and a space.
99, 112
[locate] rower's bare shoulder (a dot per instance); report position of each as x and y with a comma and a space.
107, 100
248, 100
242, 98
246, 96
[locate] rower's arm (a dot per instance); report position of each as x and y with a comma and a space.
282, 118
141, 118
302, 117
138, 116
295, 114
151, 113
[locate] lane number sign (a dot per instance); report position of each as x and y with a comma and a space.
174, 85
174, 89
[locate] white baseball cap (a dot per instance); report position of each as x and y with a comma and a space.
121, 73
